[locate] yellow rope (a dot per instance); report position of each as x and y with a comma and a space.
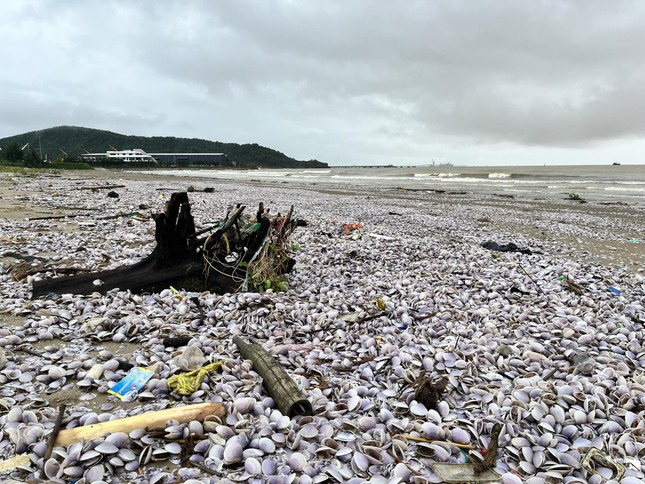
210, 264
235, 278
188, 383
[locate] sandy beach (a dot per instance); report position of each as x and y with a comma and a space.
602, 233
494, 324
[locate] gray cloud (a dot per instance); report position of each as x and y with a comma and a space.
357, 81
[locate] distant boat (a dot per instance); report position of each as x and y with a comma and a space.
615, 163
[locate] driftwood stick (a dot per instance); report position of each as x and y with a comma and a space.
260, 212
103, 187
205, 468
202, 231
51, 440
532, 280
215, 236
286, 226
491, 452
119, 215
231, 220
61, 270
53, 217
182, 414
288, 396
26, 349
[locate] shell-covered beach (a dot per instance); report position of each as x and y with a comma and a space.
547, 344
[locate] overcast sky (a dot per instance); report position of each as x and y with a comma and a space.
346, 82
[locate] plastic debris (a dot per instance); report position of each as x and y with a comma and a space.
128, 387
190, 359
177, 342
349, 228
188, 383
462, 473
479, 471
95, 372
176, 293
510, 247
615, 290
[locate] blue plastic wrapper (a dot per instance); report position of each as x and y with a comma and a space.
128, 387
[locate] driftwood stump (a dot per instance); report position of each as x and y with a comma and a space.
288, 396
219, 259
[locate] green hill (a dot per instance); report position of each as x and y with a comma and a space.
76, 140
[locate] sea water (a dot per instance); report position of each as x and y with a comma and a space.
594, 183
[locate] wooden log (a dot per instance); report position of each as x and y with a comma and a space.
148, 420
172, 229
11, 464
289, 398
223, 229
488, 462
182, 259
103, 187
142, 276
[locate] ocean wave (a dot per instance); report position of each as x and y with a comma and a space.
357, 177
624, 189
630, 183
499, 175
482, 181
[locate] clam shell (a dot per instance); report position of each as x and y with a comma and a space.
106, 448
297, 461
118, 439
266, 445
309, 431
253, 466
460, 436
269, 467
173, 448
52, 469
233, 452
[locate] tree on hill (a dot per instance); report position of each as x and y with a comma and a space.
32, 159
77, 140
12, 152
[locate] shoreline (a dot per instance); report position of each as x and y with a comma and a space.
609, 234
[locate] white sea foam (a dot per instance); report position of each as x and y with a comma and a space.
624, 189
598, 183
356, 177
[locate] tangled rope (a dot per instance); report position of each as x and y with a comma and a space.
189, 383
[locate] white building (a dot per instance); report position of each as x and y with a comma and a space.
124, 156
